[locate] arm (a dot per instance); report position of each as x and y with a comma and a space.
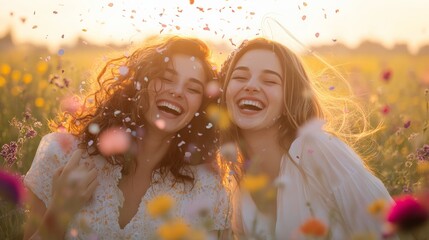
339, 171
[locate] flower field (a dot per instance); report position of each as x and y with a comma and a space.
392, 87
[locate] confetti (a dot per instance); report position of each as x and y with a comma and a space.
166, 59
212, 89
94, 128
114, 141
160, 124
123, 70
110, 4
70, 104
61, 52
317, 34
385, 109
34, 27
303, 17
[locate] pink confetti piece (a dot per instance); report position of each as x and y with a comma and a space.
385, 109
70, 104
303, 17
110, 4
212, 89
114, 141
160, 124
317, 34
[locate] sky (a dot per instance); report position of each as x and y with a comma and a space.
298, 24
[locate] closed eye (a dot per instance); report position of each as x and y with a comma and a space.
271, 82
164, 79
194, 90
239, 78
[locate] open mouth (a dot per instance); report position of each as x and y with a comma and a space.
252, 105
169, 108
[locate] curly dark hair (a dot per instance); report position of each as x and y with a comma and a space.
122, 93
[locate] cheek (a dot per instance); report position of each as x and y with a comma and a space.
195, 102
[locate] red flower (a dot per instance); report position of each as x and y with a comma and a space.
386, 75
407, 213
11, 187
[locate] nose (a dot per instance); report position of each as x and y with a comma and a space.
176, 90
252, 85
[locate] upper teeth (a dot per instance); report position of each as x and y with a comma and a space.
170, 106
257, 104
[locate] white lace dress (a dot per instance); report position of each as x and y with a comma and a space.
99, 218
333, 180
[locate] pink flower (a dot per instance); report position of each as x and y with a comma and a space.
407, 213
11, 187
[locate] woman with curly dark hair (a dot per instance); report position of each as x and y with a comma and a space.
142, 136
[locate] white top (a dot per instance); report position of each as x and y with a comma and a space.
99, 218
332, 179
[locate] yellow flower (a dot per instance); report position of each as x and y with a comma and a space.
39, 102
27, 78
2, 81
423, 168
377, 207
5, 69
176, 229
314, 227
42, 67
160, 205
16, 75
254, 183
219, 116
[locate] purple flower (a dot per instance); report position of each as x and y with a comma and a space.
11, 187
423, 153
30, 133
407, 213
9, 152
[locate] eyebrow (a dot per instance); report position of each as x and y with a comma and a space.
267, 71
194, 80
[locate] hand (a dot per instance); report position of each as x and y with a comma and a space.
73, 185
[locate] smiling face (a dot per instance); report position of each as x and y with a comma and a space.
254, 94
177, 95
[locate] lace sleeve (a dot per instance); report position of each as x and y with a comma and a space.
53, 151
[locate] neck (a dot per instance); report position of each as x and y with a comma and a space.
151, 150
264, 150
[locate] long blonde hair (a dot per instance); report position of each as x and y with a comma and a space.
304, 99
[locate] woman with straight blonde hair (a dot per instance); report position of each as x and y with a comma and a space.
292, 171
